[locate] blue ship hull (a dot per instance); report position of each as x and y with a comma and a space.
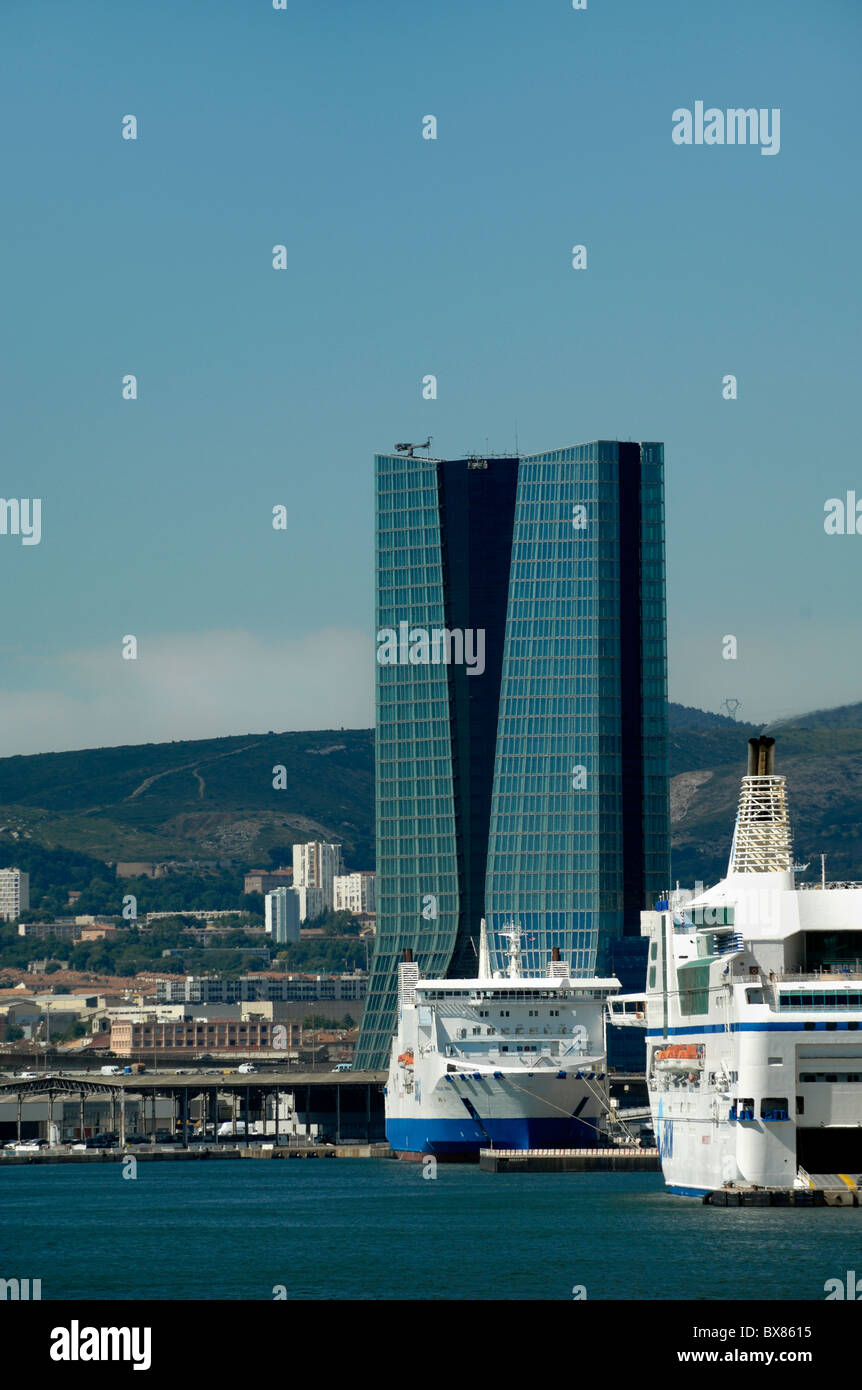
464, 1138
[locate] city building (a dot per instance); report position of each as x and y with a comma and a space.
265, 880
201, 914
311, 900
190, 1035
281, 915
353, 892
59, 931
206, 989
521, 746
315, 865
98, 931
14, 894
25, 1014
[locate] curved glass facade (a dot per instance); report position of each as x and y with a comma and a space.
536, 789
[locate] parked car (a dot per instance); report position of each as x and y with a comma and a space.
95, 1141
30, 1146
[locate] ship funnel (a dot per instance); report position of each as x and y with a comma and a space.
761, 757
558, 968
408, 954
761, 840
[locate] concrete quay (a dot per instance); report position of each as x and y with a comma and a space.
199, 1152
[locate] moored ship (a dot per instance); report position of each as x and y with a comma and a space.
753, 1014
500, 1061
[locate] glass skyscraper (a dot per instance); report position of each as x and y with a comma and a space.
527, 780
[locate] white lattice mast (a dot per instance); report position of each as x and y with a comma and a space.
761, 840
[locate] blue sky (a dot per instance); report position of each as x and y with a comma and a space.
405, 257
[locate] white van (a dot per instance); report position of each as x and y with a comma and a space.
112, 1071
247, 1068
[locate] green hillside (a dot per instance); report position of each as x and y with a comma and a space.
212, 801
821, 756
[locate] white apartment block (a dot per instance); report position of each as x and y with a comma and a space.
311, 903
353, 892
315, 865
14, 893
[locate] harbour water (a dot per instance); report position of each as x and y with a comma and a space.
377, 1229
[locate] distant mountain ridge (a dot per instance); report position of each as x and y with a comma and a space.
214, 799
196, 799
821, 756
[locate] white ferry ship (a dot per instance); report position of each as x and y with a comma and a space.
753, 1013
503, 1061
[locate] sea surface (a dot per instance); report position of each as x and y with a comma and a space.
378, 1229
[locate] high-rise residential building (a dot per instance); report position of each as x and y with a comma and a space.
521, 745
311, 903
281, 915
353, 892
315, 865
14, 893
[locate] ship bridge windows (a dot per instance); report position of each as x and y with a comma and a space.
852, 1078
820, 999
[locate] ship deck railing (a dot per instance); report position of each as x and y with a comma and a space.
781, 977
819, 887
836, 973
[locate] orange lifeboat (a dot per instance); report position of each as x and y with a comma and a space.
406, 1058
